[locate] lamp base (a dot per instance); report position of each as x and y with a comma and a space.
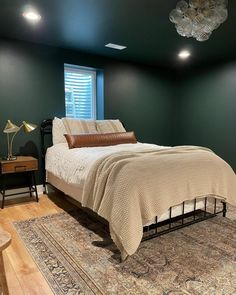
10, 158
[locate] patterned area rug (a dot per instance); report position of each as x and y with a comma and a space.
200, 259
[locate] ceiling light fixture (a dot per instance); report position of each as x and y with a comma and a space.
115, 46
32, 15
199, 18
184, 54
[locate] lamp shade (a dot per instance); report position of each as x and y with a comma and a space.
10, 127
28, 127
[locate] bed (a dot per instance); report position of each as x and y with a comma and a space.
136, 187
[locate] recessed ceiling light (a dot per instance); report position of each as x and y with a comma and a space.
115, 46
184, 54
32, 15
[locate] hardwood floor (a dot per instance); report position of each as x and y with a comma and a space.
20, 272
21, 275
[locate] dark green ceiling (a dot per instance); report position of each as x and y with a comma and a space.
142, 25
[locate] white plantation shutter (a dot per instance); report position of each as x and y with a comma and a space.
80, 92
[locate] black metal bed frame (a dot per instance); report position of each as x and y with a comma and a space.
185, 219
45, 129
157, 228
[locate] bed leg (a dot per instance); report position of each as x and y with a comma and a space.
45, 189
224, 209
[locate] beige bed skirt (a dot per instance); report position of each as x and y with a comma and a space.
69, 189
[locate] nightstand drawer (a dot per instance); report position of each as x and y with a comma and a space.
22, 164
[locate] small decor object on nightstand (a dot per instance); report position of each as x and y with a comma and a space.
12, 128
23, 164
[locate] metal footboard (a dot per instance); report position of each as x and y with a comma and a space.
210, 209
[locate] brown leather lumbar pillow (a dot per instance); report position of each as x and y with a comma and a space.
90, 140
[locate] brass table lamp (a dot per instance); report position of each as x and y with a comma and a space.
13, 129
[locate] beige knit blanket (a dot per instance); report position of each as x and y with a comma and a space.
130, 189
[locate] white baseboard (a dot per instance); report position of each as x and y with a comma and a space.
40, 189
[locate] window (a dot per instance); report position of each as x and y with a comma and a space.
80, 92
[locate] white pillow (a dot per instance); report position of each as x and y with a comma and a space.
58, 131
79, 126
109, 126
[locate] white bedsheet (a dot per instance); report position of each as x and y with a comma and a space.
73, 165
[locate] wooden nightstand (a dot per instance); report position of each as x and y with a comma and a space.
27, 165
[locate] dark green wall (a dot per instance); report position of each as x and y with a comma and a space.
32, 89
187, 107
142, 99
31, 86
207, 110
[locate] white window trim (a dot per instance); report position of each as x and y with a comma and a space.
92, 72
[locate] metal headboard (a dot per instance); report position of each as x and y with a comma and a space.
45, 129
